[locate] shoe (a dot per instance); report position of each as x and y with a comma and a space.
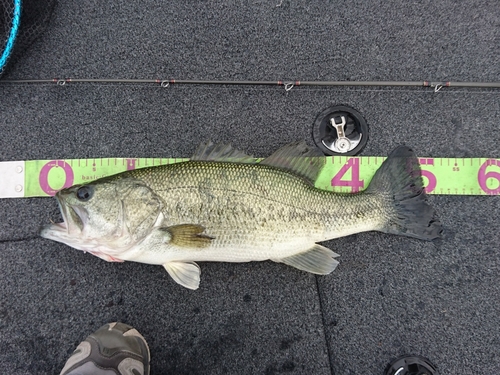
114, 349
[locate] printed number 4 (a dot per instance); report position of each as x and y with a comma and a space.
354, 182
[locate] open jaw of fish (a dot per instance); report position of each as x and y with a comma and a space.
72, 232
74, 219
223, 206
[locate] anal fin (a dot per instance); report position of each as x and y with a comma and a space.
318, 260
186, 274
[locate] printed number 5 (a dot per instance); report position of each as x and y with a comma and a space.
431, 177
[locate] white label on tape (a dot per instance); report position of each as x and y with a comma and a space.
12, 179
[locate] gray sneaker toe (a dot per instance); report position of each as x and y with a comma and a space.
114, 349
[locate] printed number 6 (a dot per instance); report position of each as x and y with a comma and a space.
483, 176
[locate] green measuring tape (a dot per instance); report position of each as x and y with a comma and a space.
455, 176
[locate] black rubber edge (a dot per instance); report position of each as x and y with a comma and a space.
411, 365
322, 121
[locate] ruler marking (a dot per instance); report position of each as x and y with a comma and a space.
451, 180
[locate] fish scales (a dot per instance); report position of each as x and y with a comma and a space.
252, 203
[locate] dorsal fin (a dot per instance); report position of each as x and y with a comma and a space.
298, 158
220, 152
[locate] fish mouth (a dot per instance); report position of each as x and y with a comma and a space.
74, 220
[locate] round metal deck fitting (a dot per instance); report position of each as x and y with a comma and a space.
340, 130
411, 365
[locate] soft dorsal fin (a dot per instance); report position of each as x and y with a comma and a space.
298, 158
219, 152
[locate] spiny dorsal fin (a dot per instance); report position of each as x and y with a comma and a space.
298, 158
188, 235
220, 152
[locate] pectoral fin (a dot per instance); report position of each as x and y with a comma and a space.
185, 273
318, 260
189, 235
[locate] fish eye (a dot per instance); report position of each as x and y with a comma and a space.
85, 193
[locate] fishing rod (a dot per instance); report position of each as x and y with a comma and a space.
288, 85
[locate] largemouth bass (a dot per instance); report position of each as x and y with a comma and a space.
223, 206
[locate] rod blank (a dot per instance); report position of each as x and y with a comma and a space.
287, 84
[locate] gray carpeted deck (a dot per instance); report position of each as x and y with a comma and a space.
389, 296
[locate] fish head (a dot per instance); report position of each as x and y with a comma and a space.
105, 217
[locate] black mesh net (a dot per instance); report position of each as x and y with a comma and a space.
21, 22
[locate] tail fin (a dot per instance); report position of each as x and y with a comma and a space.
399, 179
